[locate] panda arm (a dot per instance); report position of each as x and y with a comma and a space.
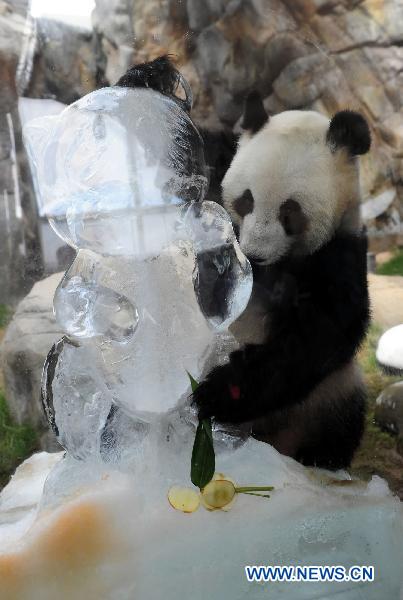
317, 335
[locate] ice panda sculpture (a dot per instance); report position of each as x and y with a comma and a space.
293, 192
121, 177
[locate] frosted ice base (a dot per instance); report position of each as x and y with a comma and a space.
132, 544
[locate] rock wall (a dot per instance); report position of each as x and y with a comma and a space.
64, 62
18, 235
29, 337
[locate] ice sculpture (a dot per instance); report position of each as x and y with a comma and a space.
157, 279
158, 273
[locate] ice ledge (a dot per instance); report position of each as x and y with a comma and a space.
112, 538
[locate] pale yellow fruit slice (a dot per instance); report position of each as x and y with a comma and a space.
218, 494
220, 476
227, 507
184, 499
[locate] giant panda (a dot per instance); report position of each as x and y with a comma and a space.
292, 190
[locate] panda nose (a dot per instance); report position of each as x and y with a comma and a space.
292, 218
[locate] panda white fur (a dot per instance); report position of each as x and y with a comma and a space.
292, 189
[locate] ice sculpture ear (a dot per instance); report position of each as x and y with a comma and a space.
159, 75
255, 115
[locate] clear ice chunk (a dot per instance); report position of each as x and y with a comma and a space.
86, 305
222, 275
75, 398
149, 374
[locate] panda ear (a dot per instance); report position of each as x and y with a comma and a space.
255, 115
349, 129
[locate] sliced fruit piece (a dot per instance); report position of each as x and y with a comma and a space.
222, 476
218, 494
183, 499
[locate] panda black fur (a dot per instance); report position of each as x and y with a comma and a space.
292, 189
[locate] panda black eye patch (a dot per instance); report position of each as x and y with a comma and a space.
292, 218
244, 204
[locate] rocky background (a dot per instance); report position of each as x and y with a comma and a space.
320, 54
18, 248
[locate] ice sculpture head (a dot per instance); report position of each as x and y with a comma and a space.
115, 168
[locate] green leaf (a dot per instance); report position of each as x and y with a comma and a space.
193, 383
203, 456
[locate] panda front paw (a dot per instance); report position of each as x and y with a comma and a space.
221, 395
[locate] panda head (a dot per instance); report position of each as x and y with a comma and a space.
294, 180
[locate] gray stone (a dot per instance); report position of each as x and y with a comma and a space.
18, 233
213, 52
311, 78
64, 66
389, 408
302, 81
114, 19
113, 26
381, 214
27, 341
203, 14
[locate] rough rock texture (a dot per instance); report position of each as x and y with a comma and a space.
389, 412
18, 233
25, 346
113, 22
382, 217
63, 62
389, 408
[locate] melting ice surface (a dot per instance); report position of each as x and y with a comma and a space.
156, 282
130, 544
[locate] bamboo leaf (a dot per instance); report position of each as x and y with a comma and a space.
203, 456
193, 383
